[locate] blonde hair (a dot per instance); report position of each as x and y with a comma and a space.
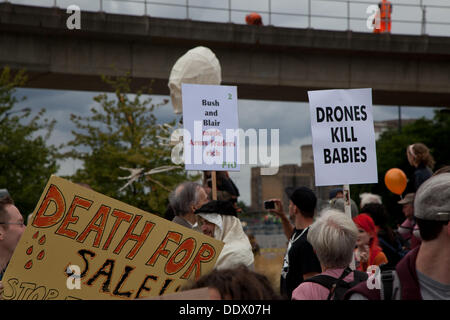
421, 154
333, 236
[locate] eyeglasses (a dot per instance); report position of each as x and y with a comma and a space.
18, 223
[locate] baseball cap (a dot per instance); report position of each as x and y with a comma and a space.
303, 197
409, 198
334, 192
432, 199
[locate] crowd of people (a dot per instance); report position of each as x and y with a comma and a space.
329, 255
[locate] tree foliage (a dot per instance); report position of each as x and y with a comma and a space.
123, 132
391, 153
26, 162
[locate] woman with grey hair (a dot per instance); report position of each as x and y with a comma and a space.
333, 237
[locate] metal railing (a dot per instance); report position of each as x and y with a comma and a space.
309, 13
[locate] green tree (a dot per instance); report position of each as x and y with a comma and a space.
123, 132
391, 153
26, 162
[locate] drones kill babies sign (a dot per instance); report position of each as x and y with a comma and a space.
343, 136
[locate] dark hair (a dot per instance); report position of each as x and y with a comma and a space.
4, 201
444, 169
239, 283
430, 229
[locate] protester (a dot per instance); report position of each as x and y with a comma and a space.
218, 219
406, 229
390, 242
300, 261
423, 274
336, 194
286, 222
367, 198
367, 252
336, 198
184, 200
339, 204
420, 158
225, 187
11, 229
238, 283
333, 236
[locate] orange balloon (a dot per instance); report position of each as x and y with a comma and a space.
395, 180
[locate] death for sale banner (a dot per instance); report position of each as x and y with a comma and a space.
81, 244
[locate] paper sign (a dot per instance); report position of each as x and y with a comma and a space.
81, 244
343, 136
210, 120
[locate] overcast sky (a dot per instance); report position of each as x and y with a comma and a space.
295, 129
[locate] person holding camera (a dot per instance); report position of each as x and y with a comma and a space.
300, 261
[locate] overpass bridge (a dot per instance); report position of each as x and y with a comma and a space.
267, 63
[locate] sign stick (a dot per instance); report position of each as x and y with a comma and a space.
214, 185
348, 212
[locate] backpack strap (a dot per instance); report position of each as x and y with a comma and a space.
387, 279
329, 282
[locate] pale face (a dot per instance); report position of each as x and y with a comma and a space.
363, 238
10, 233
408, 210
206, 226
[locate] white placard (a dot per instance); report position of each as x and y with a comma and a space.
343, 136
210, 120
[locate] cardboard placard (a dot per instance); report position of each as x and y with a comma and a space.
210, 120
81, 244
343, 137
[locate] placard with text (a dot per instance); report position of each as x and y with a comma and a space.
343, 136
81, 244
210, 120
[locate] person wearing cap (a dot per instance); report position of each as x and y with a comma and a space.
423, 274
337, 202
300, 262
218, 219
406, 229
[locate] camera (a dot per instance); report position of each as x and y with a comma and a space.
269, 204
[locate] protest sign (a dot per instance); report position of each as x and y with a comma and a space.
81, 244
210, 120
343, 136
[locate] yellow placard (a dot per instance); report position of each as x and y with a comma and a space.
81, 244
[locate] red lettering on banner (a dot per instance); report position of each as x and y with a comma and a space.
188, 246
53, 195
198, 259
171, 236
139, 238
102, 214
71, 219
120, 216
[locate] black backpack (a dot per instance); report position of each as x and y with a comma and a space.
338, 287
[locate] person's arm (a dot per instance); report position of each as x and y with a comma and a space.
288, 228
